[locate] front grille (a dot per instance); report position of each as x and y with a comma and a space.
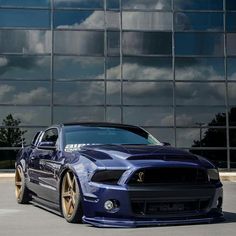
169, 176
150, 208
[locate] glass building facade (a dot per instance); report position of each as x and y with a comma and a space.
166, 65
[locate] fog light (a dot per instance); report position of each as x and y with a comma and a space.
109, 205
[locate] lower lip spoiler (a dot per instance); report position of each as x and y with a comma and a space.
115, 223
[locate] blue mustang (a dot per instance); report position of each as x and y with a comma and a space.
114, 175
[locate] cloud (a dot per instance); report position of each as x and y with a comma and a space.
3, 61
4, 90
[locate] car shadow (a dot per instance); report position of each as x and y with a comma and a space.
230, 217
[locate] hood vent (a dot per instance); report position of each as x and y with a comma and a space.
163, 157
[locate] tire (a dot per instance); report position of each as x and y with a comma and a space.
21, 191
71, 206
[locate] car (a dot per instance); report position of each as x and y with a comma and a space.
116, 175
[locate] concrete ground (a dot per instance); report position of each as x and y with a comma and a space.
24, 220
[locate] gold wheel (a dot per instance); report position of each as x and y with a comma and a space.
18, 183
69, 195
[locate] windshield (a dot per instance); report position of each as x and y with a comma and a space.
89, 135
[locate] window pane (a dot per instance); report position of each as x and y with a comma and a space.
231, 68
25, 67
25, 41
79, 93
15, 93
79, 42
147, 4
37, 115
79, 20
149, 116
112, 20
199, 44
76, 68
231, 21
28, 3
200, 116
232, 116
233, 159
136, 43
20, 18
113, 68
198, 4
230, 4
147, 68
113, 43
113, 4
147, 20
199, 69
231, 45
113, 114
200, 93
232, 137
201, 137
148, 93
79, 4
8, 158
77, 114
209, 21
114, 93
232, 94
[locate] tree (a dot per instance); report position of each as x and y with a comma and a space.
11, 135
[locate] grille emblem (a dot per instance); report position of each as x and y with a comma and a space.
140, 177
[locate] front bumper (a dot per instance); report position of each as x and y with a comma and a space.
127, 216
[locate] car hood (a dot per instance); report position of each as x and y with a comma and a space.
125, 155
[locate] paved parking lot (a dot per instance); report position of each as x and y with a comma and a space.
24, 220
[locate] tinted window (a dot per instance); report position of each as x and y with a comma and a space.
113, 43
147, 20
114, 93
79, 42
136, 43
113, 4
79, 4
231, 68
147, 4
50, 136
199, 44
232, 94
112, 20
113, 68
230, 4
198, 4
199, 21
231, 45
79, 20
28, 3
231, 21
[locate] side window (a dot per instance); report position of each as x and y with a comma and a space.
36, 138
50, 135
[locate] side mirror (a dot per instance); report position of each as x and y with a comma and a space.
47, 146
166, 144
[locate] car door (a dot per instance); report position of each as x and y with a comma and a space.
43, 165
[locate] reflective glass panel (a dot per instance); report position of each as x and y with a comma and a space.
209, 21
200, 116
199, 44
147, 4
20, 18
232, 137
147, 68
8, 158
25, 41
147, 43
76, 68
30, 93
230, 5
79, 20
112, 20
113, 4
114, 93
149, 116
232, 93
200, 93
233, 159
199, 68
79, 42
231, 68
232, 116
25, 67
148, 93
79, 4
37, 115
25, 3
231, 45
163, 134
113, 114
113, 68
77, 114
231, 21
147, 21
198, 4
79, 93
201, 137
113, 43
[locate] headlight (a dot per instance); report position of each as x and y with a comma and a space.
107, 176
213, 174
